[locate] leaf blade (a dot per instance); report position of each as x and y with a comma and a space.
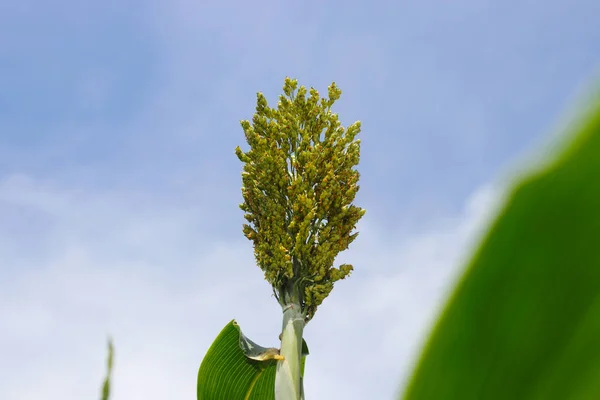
522, 323
226, 372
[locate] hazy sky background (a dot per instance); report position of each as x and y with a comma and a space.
119, 185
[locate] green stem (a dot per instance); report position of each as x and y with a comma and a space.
288, 381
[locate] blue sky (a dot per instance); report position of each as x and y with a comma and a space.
119, 186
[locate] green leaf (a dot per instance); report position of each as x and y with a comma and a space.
109, 364
236, 368
524, 322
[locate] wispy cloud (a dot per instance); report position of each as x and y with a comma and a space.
165, 306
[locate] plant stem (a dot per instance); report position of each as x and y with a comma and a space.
288, 380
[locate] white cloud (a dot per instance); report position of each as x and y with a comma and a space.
163, 316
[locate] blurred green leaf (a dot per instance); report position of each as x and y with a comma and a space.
524, 322
109, 366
